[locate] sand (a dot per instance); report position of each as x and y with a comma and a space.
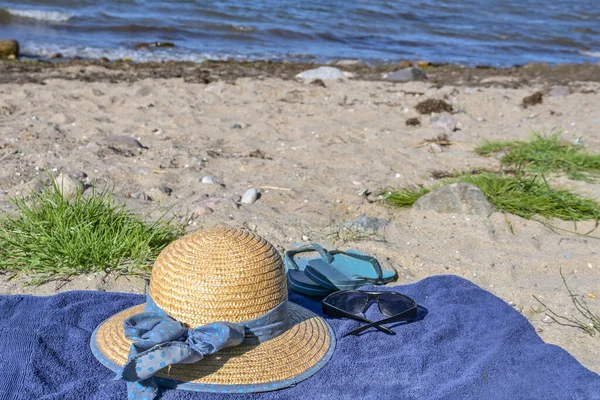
312, 150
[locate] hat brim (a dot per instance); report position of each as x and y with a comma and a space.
283, 361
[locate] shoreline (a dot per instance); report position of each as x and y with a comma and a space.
36, 71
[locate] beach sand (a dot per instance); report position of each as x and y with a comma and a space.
312, 149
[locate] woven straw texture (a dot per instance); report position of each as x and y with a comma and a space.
284, 357
218, 275
226, 275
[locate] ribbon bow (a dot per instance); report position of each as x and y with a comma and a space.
160, 341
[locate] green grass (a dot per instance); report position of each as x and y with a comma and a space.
525, 196
544, 154
57, 237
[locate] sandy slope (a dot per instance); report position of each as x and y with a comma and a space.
318, 147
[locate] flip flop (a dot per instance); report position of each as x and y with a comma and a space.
295, 268
346, 270
333, 270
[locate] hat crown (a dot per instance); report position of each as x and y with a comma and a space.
218, 274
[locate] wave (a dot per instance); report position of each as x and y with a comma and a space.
40, 15
595, 54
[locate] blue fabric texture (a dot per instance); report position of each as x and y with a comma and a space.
160, 341
466, 344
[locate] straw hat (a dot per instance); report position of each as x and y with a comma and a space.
225, 275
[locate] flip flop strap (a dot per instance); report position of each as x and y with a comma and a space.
325, 255
371, 260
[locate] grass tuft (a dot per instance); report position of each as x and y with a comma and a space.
544, 154
489, 147
57, 236
516, 194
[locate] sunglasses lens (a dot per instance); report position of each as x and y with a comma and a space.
393, 304
352, 302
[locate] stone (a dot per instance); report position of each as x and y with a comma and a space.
124, 145
444, 122
235, 126
202, 211
68, 185
165, 189
9, 48
350, 63
533, 100
407, 75
430, 106
322, 73
250, 196
209, 180
413, 122
365, 224
559, 91
457, 198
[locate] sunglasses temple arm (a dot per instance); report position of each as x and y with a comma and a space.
370, 323
404, 316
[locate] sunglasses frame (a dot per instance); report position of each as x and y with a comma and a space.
333, 311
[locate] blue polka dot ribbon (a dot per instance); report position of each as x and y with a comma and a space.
160, 341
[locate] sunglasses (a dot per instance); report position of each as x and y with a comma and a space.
353, 304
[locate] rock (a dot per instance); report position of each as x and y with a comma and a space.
165, 189
55, 56
77, 174
142, 45
209, 180
364, 224
436, 148
202, 211
9, 48
318, 82
433, 106
532, 100
250, 196
68, 185
457, 198
322, 73
104, 59
407, 75
560, 91
444, 122
140, 196
124, 145
350, 63
413, 122
235, 126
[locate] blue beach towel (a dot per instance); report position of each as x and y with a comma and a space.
466, 344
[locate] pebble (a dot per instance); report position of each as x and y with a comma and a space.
165, 189
547, 319
323, 73
209, 180
365, 224
406, 75
250, 196
68, 185
444, 122
203, 211
235, 126
124, 145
